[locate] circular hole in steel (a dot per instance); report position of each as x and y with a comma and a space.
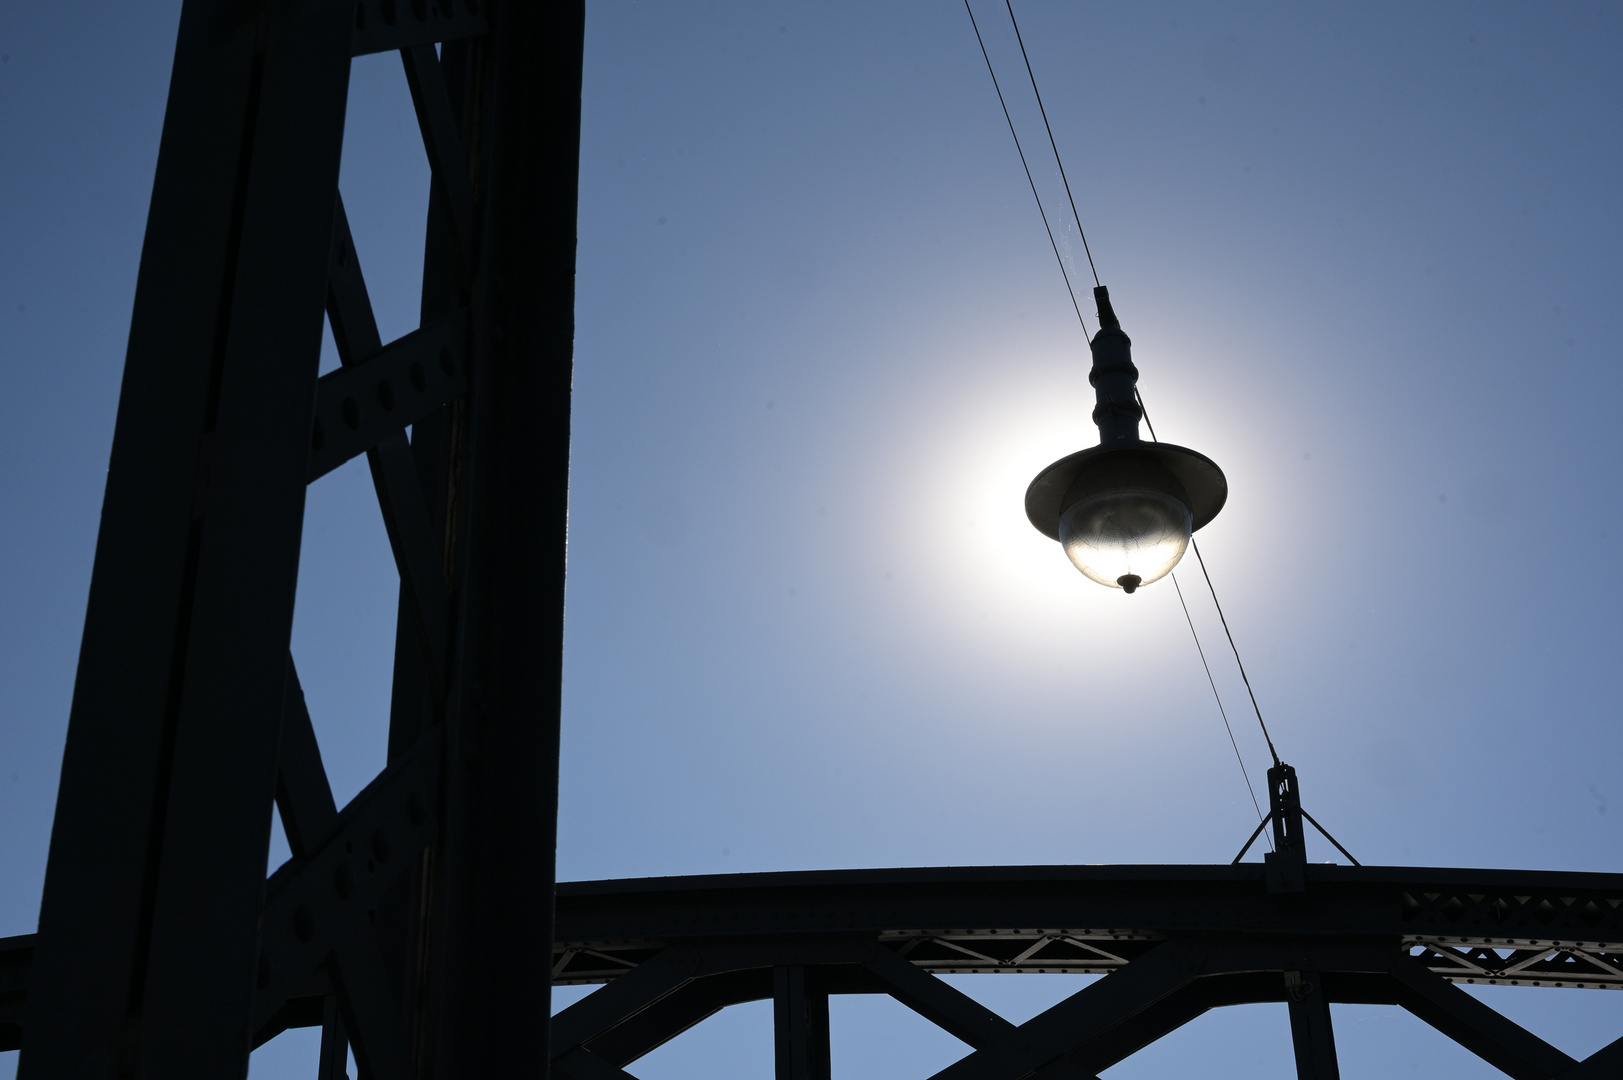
352, 413
385, 395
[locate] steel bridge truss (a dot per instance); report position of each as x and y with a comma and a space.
415, 925
407, 923
1172, 942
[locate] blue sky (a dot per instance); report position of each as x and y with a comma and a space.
1369, 261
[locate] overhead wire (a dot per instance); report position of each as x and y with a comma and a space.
1221, 617
1070, 291
1220, 710
1239, 757
1237, 661
1076, 306
1054, 145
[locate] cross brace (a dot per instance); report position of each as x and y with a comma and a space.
406, 924
1173, 942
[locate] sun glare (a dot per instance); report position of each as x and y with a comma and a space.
993, 578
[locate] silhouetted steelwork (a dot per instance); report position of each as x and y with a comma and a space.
411, 921
416, 923
1171, 941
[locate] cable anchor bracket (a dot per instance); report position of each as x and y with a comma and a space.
1286, 864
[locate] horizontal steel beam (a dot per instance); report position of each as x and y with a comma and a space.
359, 406
1522, 928
1172, 941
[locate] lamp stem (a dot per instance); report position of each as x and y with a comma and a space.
1114, 378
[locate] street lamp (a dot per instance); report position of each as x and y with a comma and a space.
1124, 510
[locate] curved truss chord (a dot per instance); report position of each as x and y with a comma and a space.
1172, 942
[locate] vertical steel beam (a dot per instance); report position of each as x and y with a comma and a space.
799, 1025
402, 917
1314, 1039
156, 870
481, 1010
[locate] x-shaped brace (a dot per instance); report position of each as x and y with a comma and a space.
316, 906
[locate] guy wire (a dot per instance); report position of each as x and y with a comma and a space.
1223, 618
1010, 121
1192, 633
1071, 291
1052, 144
1238, 662
1219, 698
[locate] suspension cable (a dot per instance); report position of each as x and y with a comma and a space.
1219, 697
1052, 144
1217, 604
1071, 291
1009, 120
1238, 662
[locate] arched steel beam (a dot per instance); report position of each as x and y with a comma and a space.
1173, 942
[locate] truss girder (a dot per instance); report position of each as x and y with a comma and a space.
156, 872
1173, 942
405, 923
1531, 928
